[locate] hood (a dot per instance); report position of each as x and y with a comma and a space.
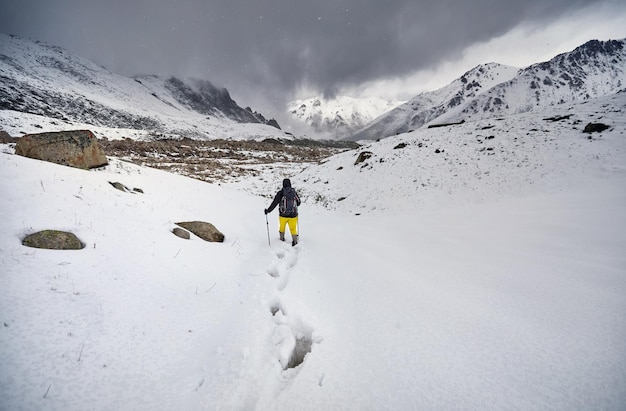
286, 183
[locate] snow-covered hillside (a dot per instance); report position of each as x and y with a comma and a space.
430, 105
64, 91
340, 116
490, 275
594, 69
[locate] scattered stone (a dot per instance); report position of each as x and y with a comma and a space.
558, 118
78, 148
204, 230
53, 240
119, 186
179, 232
446, 124
364, 155
399, 146
595, 128
124, 188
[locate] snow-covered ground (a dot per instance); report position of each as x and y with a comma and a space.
512, 297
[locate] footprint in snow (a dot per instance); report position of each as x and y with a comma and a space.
292, 338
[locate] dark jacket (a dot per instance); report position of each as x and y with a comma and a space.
279, 196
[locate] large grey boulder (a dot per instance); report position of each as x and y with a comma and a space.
205, 231
78, 148
53, 240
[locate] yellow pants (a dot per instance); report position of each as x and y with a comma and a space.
292, 222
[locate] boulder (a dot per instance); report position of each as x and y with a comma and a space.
78, 148
53, 240
595, 128
364, 155
205, 231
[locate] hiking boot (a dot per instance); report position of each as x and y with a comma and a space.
295, 240
282, 236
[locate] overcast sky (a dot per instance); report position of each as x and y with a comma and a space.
267, 52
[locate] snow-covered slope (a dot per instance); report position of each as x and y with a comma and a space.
592, 70
442, 166
47, 81
339, 116
430, 105
488, 275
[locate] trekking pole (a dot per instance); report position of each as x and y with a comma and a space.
267, 223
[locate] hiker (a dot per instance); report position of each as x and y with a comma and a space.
287, 201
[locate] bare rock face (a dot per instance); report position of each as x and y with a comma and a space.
205, 231
53, 240
78, 148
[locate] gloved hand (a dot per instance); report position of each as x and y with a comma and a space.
265, 211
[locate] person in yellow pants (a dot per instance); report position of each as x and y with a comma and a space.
287, 201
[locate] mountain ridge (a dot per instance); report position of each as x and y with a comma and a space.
40, 79
594, 69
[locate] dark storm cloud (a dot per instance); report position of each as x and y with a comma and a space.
272, 46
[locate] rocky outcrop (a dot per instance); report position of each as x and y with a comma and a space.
53, 240
77, 148
204, 230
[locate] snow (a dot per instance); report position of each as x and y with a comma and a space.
500, 292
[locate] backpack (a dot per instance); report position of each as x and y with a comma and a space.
288, 204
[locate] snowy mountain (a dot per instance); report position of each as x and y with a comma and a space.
430, 105
471, 267
594, 69
340, 116
65, 90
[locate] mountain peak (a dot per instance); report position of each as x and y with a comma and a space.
594, 69
44, 80
340, 115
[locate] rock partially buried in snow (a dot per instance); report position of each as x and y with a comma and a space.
179, 232
204, 230
53, 240
595, 128
124, 188
78, 148
364, 155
